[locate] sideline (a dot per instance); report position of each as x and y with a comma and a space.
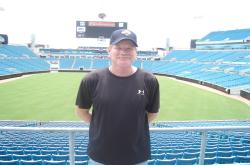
236, 97
14, 78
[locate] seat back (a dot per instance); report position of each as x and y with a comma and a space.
19, 152
81, 157
6, 157
81, 162
9, 162
173, 155
240, 153
188, 155
210, 160
21, 157
158, 156
183, 161
54, 162
210, 154
41, 157
60, 157
27, 151
225, 160
242, 159
165, 162
31, 162
151, 162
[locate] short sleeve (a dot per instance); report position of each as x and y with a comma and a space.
85, 92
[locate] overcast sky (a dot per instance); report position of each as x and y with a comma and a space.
53, 22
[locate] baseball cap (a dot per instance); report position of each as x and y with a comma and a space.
123, 34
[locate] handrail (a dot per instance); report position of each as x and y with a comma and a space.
153, 129
73, 130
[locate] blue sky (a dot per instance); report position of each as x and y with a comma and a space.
53, 22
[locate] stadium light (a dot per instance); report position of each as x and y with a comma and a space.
102, 15
1, 8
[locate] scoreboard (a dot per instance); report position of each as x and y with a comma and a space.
97, 29
3, 39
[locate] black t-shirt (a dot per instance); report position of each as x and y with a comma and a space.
119, 130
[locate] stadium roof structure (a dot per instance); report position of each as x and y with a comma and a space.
229, 36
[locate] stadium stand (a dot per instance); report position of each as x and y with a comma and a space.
178, 147
230, 39
19, 60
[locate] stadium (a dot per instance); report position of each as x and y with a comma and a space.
203, 123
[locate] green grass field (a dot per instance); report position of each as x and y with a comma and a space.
51, 96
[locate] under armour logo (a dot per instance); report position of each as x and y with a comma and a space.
140, 92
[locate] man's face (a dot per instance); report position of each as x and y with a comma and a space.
122, 54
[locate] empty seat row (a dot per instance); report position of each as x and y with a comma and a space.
42, 157
43, 152
191, 161
40, 162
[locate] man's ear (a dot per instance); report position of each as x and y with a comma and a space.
108, 50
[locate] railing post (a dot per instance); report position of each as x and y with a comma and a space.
71, 148
203, 147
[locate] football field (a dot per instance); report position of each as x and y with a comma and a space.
51, 97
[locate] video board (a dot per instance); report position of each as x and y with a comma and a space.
97, 29
4, 39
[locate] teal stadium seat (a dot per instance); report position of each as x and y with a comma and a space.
161, 150
81, 157
165, 162
44, 152
188, 155
151, 162
9, 162
54, 162
210, 154
225, 160
158, 156
224, 153
242, 159
41, 157
179, 150
81, 162
224, 149
35, 151
19, 152
173, 155
63, 152
31, 162
2, 152
240, 153
183, 161
6, 157
80, 152
208, 161
60, 157
21, 157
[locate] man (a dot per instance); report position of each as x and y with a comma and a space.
124, 99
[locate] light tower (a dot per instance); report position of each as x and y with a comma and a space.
1, 8
102, 15
101, 40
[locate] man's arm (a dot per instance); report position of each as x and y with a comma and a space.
83, 114
151, 116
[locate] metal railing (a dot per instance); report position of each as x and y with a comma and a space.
72, 131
